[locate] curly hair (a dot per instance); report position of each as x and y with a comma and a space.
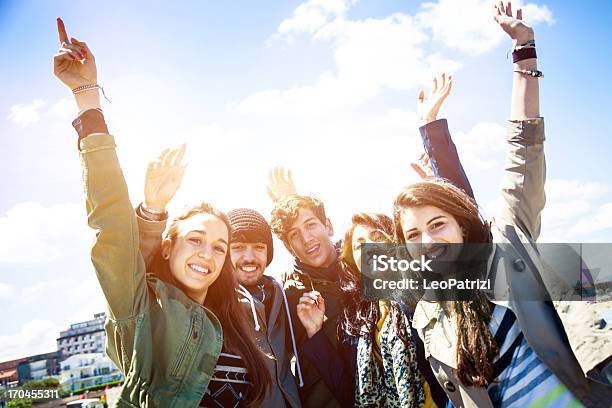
286, 211
476, 348
222, 299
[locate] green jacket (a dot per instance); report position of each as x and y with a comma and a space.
165, 344
272, 336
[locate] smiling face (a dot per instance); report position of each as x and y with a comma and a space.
197, 254
363, 234
310, 240
249, 261
428, 227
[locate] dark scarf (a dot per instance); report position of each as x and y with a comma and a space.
328, 273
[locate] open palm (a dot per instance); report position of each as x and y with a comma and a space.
428, 107
515, 27
280, 184
164, 177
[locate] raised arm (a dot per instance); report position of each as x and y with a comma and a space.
119, 267
163, 179
441, 158
280, 183
525, 167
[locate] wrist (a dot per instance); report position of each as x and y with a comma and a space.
529, 64
153, 208
427, 120
312, 331
86, 100
523, 38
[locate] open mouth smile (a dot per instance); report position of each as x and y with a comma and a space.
248, 268
199, 269
314, 249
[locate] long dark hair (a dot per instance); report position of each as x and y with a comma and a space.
358, 316
222, 299
476, 348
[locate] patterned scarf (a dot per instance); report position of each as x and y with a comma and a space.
395, 381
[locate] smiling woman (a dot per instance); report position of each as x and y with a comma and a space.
178, 332
502, 350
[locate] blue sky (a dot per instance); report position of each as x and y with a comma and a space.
327, 88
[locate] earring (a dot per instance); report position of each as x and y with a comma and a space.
166, 256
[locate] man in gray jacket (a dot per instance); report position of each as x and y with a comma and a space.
251, 251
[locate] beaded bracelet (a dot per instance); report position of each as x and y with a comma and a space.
84, 88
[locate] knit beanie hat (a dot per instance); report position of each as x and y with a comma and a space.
250, 226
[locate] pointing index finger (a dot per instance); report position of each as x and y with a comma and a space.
61, 31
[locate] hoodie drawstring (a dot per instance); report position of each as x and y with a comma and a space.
297, 359
248, 295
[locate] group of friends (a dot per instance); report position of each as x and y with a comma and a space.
195, 321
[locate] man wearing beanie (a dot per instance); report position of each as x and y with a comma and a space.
251, 251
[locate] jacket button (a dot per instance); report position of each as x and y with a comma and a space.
519, 265
195, 335
601, 324
450, 387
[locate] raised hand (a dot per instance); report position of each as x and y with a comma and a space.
74, 63
422, 166
311, 312
515, 27
280, 184
163, 178
428, 107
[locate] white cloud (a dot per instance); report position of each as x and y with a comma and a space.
32, 233
599, 221
572, 210
30, 114
482, 147
370, 55
24, 115
468, 25
312, 15
6, 291
534, 14
565, 190
375, 54
64, 108
34, 337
